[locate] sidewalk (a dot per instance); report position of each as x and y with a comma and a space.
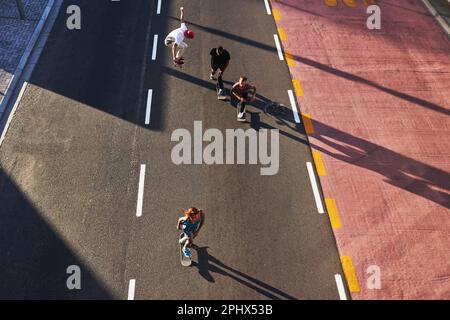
376, 108
14, 37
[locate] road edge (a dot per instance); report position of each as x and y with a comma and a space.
437, 16
26, 65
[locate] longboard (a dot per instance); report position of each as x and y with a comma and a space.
244, 118
185, 262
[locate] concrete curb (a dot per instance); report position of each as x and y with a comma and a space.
442, 22
26, 55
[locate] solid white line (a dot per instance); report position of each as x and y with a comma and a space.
269, 12
140, 200
278, 44
155, 46
158, 10
131, 289
13, 111
294, 106
149, 106
340, 286
312, 177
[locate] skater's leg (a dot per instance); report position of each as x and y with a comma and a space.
183, 240
220, 83
181, 49
242, 109
243, 104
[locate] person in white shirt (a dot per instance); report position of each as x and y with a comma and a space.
175, 39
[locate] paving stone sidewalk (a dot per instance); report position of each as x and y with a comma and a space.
15, 35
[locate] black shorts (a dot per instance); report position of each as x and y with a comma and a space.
216, 67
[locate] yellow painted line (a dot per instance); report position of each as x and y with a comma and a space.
350, 273
350, 3
331, 3
333, 213
276, 14
320, 167
282, 34
369, 2
298, 88
307, 123
290, 59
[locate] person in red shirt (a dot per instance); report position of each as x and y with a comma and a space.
245, 93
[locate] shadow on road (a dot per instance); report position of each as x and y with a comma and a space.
208, 264
326, 68
33, 257
284, 118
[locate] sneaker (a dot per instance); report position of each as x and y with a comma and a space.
241, 115
187, 253
211, 76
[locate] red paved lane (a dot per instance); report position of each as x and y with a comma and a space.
379, 101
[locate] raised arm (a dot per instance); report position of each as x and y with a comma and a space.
182, 14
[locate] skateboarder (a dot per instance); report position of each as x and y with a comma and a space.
245, 93
191, 224
175, 39
220, 58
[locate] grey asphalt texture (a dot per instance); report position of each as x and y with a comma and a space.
70, 166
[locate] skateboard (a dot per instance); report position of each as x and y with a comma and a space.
244, 118
185, 262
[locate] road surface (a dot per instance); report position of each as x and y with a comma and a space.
75, 151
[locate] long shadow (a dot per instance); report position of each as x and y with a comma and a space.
400, 171
358, 79
284, 118
323, 67
33, 257
208, 264
230, 36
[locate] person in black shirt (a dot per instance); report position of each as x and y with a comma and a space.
220, 58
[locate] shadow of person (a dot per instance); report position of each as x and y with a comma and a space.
208, 264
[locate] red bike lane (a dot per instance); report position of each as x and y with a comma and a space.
376, 105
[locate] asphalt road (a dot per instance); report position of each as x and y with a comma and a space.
70, 166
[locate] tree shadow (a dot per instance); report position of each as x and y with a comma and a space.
208, 264
33, 257
400, 171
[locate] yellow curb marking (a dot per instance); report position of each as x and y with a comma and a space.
350, 273
350, 3
369, 2
282, 34
276, 14
307, 123
298, 88
290, 59
333, 213
320, 167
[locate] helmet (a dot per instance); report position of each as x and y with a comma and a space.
189, 34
